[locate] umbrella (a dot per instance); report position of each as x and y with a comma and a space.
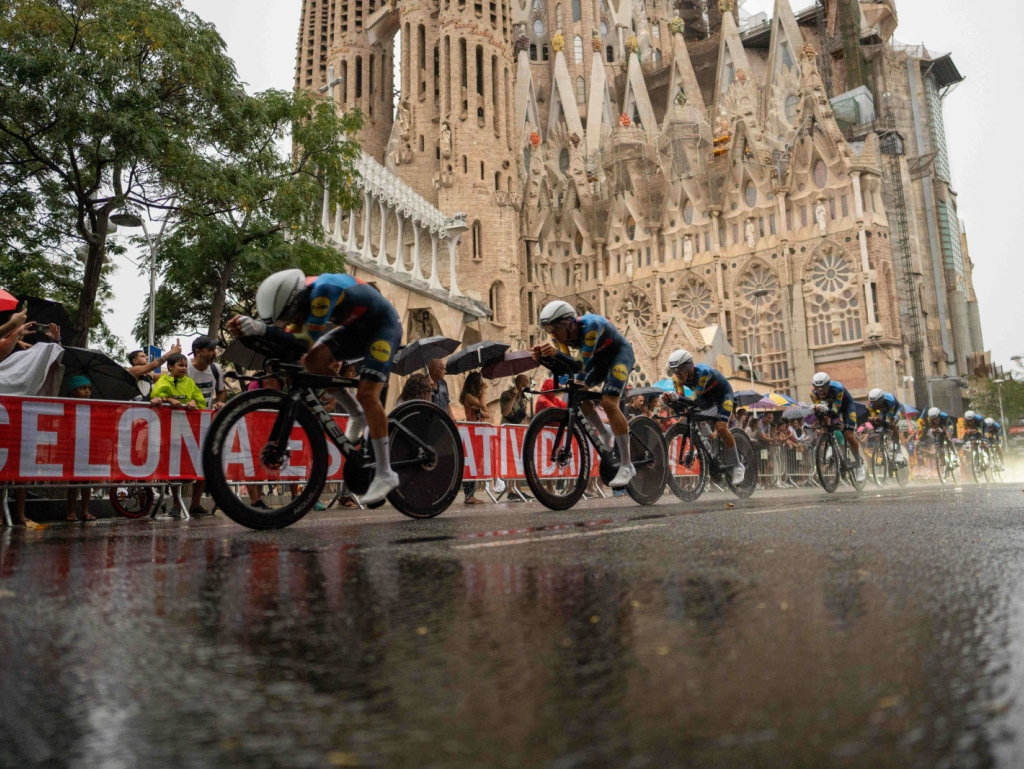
765, 404
647, 392
910, 411
244, 357
666, 385
110, 382
746, 397
781, 399
512, 363
45, 311
418, 354
8, 301
796, 412
475, 356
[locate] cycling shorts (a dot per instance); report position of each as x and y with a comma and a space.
376, 339
721, 400
612, 369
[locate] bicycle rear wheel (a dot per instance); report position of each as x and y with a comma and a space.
897, 468
132, 501
826, 458
426, 452
273, 497
976, 468
879, 462
556, 466
746, 451
851, 472
686, 482
650, 458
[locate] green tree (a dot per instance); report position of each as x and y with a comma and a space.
251, 209
103, 104
985, 398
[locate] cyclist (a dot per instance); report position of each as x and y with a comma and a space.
973, 423
994, 432
606, 357
294, 312
832, 398
938, 422
885, 411
711, 392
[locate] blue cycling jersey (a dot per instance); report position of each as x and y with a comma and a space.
993, 429
708, 384
598, 339
834, 397
888, 409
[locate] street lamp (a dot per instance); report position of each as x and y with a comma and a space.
131, 221
758, 294
750, 366
874, 340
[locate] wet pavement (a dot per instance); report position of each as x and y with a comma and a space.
792, 629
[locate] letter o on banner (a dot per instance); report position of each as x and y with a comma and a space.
124, 442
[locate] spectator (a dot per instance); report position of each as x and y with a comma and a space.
473, 400
417, 388
210, 380
515, 408
140, 367
636, 407
545, 401
176, 388
37, 371
79, 387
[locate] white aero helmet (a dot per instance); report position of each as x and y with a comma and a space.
969, 416
821, 379
277, 292
990, 421
679, 358
556, 311
875, 395
933, 412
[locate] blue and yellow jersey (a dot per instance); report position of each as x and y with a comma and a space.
889, 410
833, 398
941, 422
706, 382
993, 430
597, 338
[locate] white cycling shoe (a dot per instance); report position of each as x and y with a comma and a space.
622, 478
859, 473
382, 486
354, 429
739, 472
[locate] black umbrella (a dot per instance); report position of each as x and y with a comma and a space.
110, 382
418, 354
511, 364
475, 356
746, 397
646, 392
244, 357
45, 311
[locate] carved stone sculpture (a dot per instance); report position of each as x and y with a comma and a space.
819, 217
748, 233
687, 250
446, 140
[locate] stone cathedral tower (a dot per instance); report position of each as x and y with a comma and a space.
773, 194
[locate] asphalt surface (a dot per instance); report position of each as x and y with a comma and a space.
792, 629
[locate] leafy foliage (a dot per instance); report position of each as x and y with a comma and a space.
985, 398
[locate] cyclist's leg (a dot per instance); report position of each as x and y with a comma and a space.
619, 365
338, 345
848, 413
382, 336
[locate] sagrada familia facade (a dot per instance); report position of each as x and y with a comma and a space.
774, 195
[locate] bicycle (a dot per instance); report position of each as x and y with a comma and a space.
132, 500
695, 454
833, 456
887, 458
557, 457
981, 460
947, 461
426, 451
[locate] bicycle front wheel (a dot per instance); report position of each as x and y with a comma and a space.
879, 462
685, 481
250, 492
745, 449
977, 471
426, 452
827, 460
897, 467
941, 466
556, 463
851, 471
650, 459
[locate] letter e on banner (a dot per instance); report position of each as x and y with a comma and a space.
32, 437
124, 442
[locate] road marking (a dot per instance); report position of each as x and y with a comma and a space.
574, 535
779, 509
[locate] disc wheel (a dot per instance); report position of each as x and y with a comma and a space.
132, 501
746, 451
686, 482
826, 459
650, 459
236, 439
557, 477
426, 452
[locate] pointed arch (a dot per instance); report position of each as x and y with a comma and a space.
760, 328
833, 300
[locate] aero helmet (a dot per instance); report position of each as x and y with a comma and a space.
821, 379
679, 358
990, 421
556, 311
934, 413
876, 395
969, 416
277, 292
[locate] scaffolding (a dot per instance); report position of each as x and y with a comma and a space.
826, 41
891, 145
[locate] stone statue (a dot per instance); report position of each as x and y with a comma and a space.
629, 264
819, 217
577, 276
687, 250
748, 232
446, 140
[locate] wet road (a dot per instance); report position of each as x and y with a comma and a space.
793, 629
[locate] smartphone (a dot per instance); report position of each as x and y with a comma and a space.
40, 328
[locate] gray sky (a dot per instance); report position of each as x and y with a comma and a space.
261, 37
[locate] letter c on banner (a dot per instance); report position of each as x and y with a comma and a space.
124, 442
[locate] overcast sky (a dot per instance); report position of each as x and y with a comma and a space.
981, 118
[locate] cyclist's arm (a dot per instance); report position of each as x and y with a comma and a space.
322, 299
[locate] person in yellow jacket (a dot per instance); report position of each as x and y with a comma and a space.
176, 387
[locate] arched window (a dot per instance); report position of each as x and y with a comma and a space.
497, 302
563, 161
478, 243
833, 306
760, 330
581, 91
609, 54
497, 181
576, 13
538, 27
533, 52
577, 47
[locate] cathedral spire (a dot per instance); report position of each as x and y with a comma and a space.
526, 113
563, 101
787, 42
732, 57
636, 102
683, 89
599, 105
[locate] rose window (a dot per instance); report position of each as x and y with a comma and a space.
693, 300
635, 308
758, 278
831, 273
